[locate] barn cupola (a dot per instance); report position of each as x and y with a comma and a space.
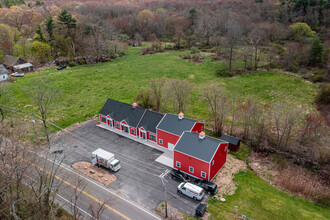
134, 105
202, 135
181, 115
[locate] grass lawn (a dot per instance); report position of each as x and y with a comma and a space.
257, 199
84, 89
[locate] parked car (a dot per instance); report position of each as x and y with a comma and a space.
191, 190
61, 67
179, 176
200, 210
16, 74
209, 187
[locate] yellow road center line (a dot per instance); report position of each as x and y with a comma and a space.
75, 187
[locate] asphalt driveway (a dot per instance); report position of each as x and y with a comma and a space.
138, 179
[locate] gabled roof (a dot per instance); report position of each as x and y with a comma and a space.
22, 66
12, 61
150, 120
3, 70
230, 139
171, 123
202, 149
120, 111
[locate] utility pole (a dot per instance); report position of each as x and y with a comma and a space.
162, 177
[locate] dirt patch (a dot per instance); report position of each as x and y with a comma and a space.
94, 172
292, 178
224, 179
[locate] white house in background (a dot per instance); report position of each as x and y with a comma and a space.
3, 73
23, 68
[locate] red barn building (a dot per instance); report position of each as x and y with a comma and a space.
199, 155
147, 126
122, 116
234, 142
171, 127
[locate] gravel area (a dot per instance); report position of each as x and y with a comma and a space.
94, 172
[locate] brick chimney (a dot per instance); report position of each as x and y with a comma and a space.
181, 115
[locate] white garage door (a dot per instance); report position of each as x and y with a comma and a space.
170, 146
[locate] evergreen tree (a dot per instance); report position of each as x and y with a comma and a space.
50, 26
39, 34
316, 52
65, 19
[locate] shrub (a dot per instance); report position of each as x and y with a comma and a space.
72, 64
186, 55
223, 73
194, 50
144, 98
323, 95
318, 78
169, 47
82, 62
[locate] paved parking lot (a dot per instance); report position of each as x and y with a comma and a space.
138, 179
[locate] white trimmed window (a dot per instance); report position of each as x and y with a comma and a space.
212, 162
132, 131
161, 141
225, 148
178, 164
191, 169
152, 137
117, 125
203, 174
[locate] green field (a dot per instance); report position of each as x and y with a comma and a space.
84, 89
257, 199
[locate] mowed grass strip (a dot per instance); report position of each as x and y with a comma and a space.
84, 89
257, 199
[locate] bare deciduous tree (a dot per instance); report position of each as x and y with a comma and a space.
178, 91
42, 94
285, 118
96, 211
233, 37
219, 105
255, 38
157, 86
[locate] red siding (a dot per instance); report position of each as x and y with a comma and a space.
167, 138
219, 159
117, 123
198, 127
187, 161
101, 119
130, 128
148, 133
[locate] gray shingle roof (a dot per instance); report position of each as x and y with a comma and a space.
230, 139
122, 111
150, 120
174, 125
12, 61
3, 70
203, 149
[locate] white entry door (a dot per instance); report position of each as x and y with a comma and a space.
170, 146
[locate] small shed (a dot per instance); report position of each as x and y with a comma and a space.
234, 142
3, 73
11, 61
23, 68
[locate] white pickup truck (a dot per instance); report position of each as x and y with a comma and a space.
105, 159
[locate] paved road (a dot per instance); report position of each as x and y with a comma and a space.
91, 192
138, 179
